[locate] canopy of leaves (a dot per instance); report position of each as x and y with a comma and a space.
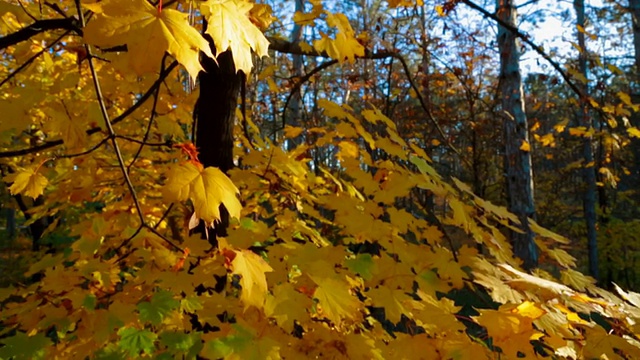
350, 244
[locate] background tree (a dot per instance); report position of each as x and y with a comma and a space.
363, 241
517, 156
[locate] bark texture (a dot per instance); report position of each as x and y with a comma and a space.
215, 117
589, 170
517, 162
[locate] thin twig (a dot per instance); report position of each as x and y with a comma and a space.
153, 230
423, 103
119, 118
298, 85
86, 152
107, 121
144, 143
164, 216
156, 95
33, 58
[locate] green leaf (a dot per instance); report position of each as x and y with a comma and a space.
161, 304
133, 341
234, 343
188, 345
362, 265
89, 302
111, 352
190, 304
21, 346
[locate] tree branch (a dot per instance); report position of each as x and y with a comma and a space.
525, 38
69, 24
108, 123
119, 118
287, 47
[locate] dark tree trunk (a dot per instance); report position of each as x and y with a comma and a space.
589, 170
634, 7
516, 131
215, 115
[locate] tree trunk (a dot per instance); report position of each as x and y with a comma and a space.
634, 8
298, 65
589, 170
517, 162
215, 114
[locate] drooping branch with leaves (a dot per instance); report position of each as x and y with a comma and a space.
178, 229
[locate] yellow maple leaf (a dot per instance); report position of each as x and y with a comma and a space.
335, 300
148, 34
395, 302
27, 181
252, 269
525, 146
207, 188
230, 28
345, 46
633, 132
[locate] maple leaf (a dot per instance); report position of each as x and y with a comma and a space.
394, 302
133, 341
335, 300
230, 28
287, 305
601, 345
161, 304
27, 181
345, 46
181, 343
148, 34
207, 188
252, 269
21, 346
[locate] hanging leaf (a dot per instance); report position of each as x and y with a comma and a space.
207, 188
148, 34
230, 28
27, 181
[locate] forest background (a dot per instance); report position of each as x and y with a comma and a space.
353, 179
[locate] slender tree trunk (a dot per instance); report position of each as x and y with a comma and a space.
517, 162
298, 66
215, 115
589, 169
634, 8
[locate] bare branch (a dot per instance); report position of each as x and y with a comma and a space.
287, 47
69, 24
156, 95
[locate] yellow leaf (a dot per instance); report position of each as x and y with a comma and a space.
625, 98
525, 146
261, 15
147, 33
345, 46
27, 181
405, 3
206, 188
335, 300
252, 269
440, 10
287, 305
633, 132
394, 302
230, 28
529, 309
